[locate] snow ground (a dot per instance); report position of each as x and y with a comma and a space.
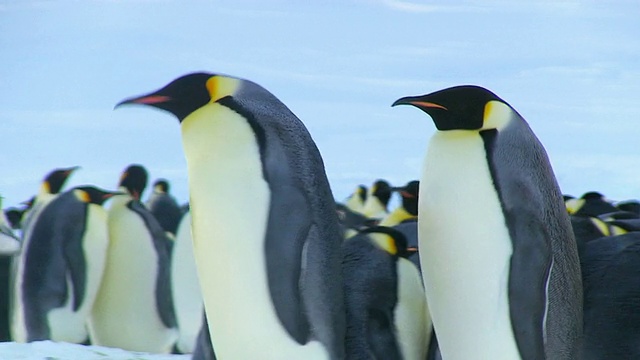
49, 350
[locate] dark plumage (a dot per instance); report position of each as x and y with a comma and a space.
164, 207
610, 270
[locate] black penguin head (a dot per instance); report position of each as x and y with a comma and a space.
55, 180
188, 93
456, 108
382, 190
161, 186
14, 216
94, 195
409, 194
592, 195
134, 179
395, 243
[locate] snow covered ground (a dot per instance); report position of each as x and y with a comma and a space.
49, 350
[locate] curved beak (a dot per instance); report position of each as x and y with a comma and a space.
149, 99
417, 102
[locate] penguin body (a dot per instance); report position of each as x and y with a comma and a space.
49, 189
134, 309
498, 256
164, 207
62, 267
387, 314
187, 296
253, 164
610, 269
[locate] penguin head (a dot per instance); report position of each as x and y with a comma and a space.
382, 190
188, 93
361, 192
54, 181
409, 194
466, 107
391, 240
94, 195
161, 186
134, 179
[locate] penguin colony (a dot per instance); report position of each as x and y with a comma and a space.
483, 258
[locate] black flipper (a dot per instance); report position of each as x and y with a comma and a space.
74, 257
284, 243
162, 244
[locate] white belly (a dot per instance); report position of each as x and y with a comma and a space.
413, 322
229, 203
465, 250
187, 297
125, 314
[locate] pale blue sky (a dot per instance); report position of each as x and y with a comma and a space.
571, 68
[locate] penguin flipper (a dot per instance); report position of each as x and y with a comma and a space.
76, 262
529, 274
284, 243
164, 297
380, 335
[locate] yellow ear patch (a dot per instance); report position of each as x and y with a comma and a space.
220, 86
82, 196
385, 242
496, 115
601, 225
573, 205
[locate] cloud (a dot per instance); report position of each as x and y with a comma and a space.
412, 7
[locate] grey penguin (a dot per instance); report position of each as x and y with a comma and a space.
63, 264
164, 207
50, 187
134, 308
387, 313
610, 270
266, 236
499, 259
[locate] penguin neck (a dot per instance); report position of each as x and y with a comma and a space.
374, 208
397, 216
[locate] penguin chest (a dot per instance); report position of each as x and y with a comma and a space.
465, 250
229, 207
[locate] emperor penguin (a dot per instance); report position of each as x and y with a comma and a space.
377, 200
408, 209
387, 313
164, 207
187, 296
592, 204
134, 308
499, 259
50, 187
355, 202
62, 268
265, 231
